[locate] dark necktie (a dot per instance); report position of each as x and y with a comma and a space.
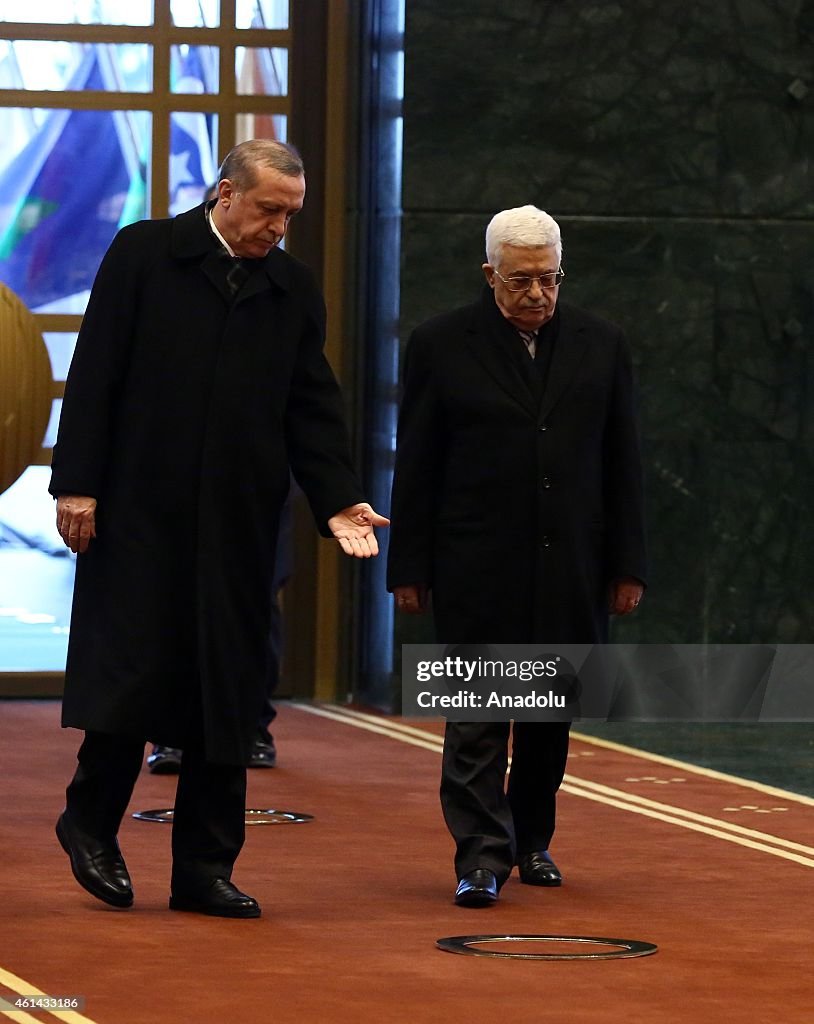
530, 341
538, 346
526, 364
237, 274
238, 270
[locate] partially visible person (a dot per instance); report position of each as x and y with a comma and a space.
198, 380
167, 760
517, 503
264, 750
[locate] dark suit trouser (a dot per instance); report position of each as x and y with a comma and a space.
493, 825
208, 826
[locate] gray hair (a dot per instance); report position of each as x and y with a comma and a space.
524, 226
240, 163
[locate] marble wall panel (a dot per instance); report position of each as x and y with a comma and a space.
720, 316
731, 545
646, 106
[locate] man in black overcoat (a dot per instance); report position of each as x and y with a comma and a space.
517, 502
198, 379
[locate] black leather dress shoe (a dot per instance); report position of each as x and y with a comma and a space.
164, 761
537, 868
98, 866
264, 753
477, 889
218, 898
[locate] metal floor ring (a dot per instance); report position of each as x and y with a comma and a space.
466, 945
254, 816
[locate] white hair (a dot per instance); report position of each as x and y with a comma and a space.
524, 226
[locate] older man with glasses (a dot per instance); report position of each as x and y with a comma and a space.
517, 503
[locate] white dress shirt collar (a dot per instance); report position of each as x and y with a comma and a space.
217, 233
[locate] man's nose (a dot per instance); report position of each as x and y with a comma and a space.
535, 289
278, 224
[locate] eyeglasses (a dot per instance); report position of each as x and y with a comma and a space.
522, 283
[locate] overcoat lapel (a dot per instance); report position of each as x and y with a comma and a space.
192, 240
566, 359
496, 345
215, 268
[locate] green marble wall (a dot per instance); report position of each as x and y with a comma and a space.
673, 142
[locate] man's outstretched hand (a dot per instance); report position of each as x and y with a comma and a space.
353, 528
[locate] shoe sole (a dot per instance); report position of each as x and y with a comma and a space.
190, 907
552, 884
475, 901
121, 903
165, 768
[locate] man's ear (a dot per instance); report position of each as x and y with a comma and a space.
225, 192
489, 274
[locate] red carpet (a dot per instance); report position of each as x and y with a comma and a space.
354, 901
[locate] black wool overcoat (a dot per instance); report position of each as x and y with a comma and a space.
182, 413
517, 510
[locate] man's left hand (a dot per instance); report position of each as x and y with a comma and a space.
353, 528
624, 595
